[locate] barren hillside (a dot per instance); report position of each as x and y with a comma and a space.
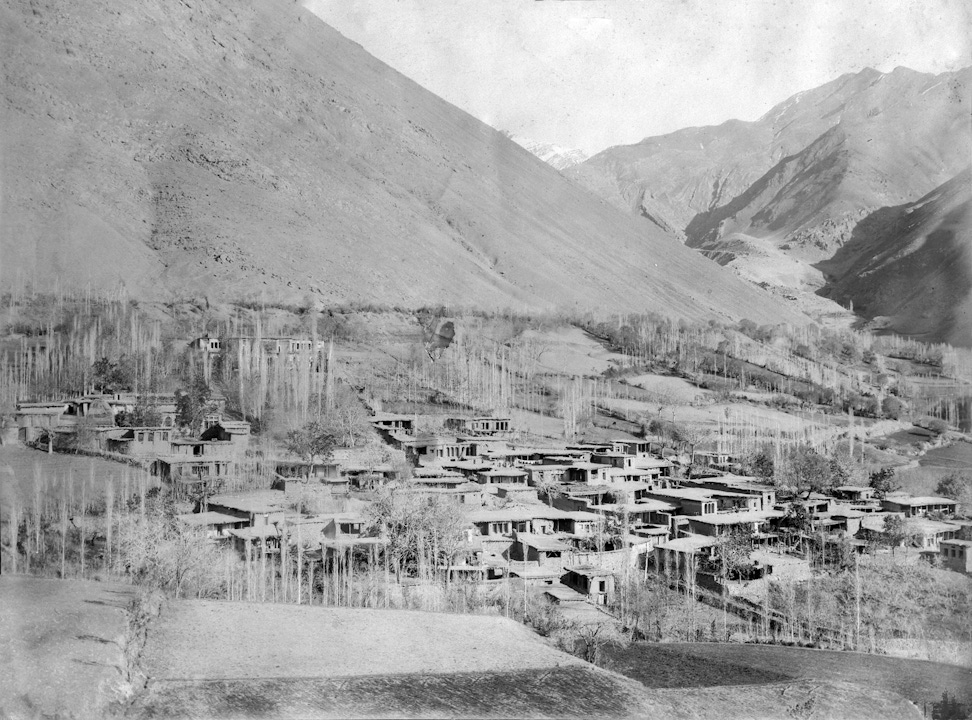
228, 150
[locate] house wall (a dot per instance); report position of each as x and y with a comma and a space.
956, 557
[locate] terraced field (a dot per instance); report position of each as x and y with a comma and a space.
686, 665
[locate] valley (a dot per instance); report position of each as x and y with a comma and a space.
324, 396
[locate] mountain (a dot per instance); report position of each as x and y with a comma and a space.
789, 187
247, 150
909, 268
558, 156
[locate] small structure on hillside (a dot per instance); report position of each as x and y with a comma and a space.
392, 423
482, 426
141, 442
596, 583
956, 555
545, 550
216, 525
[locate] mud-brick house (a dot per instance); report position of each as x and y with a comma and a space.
344, 533
424, 450
325, 473
715, 459
545, 473
141, 442
545, 550
256, 509
35, 420
503, 476
235, 432
761, 523
854, 493
394, 424
249, 541
482, 426
176, 466
595, 582
918, 506
344, 525
927, 535
681, 557
504, 522
206, 344
587, 473
956, 555
631, 447
738, 484
469, 561
217, 526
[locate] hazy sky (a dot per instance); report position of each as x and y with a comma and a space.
595, 73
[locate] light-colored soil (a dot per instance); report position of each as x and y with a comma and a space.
61, 646
202, 639
671, 390
571, 351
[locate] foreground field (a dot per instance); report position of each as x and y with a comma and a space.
690, 665
61, 647
237, 660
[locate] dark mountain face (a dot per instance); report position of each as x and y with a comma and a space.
228, 150
909, 268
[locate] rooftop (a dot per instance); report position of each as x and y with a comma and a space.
734, 518
544, 543
589, 570
688, 544
922, 500
517, 512
208, 518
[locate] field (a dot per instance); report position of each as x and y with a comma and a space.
706, 664
25, 470
957, 456
238, 660
61, 647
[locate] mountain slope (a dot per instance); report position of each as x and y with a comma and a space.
903, 134
910, 266
238, 151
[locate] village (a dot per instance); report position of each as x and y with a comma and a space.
572, 522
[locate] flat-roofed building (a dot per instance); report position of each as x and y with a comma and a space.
917, 506
956, 555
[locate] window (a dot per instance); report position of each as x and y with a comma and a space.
197, 449
141, 437
151, 437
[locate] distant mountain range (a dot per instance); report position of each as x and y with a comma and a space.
556, 155
249, 150
775, 197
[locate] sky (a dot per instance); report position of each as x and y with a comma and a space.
590, 74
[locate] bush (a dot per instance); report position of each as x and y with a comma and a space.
891, 407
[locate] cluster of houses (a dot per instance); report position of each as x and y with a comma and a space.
572, 519
167, 451
569, 518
